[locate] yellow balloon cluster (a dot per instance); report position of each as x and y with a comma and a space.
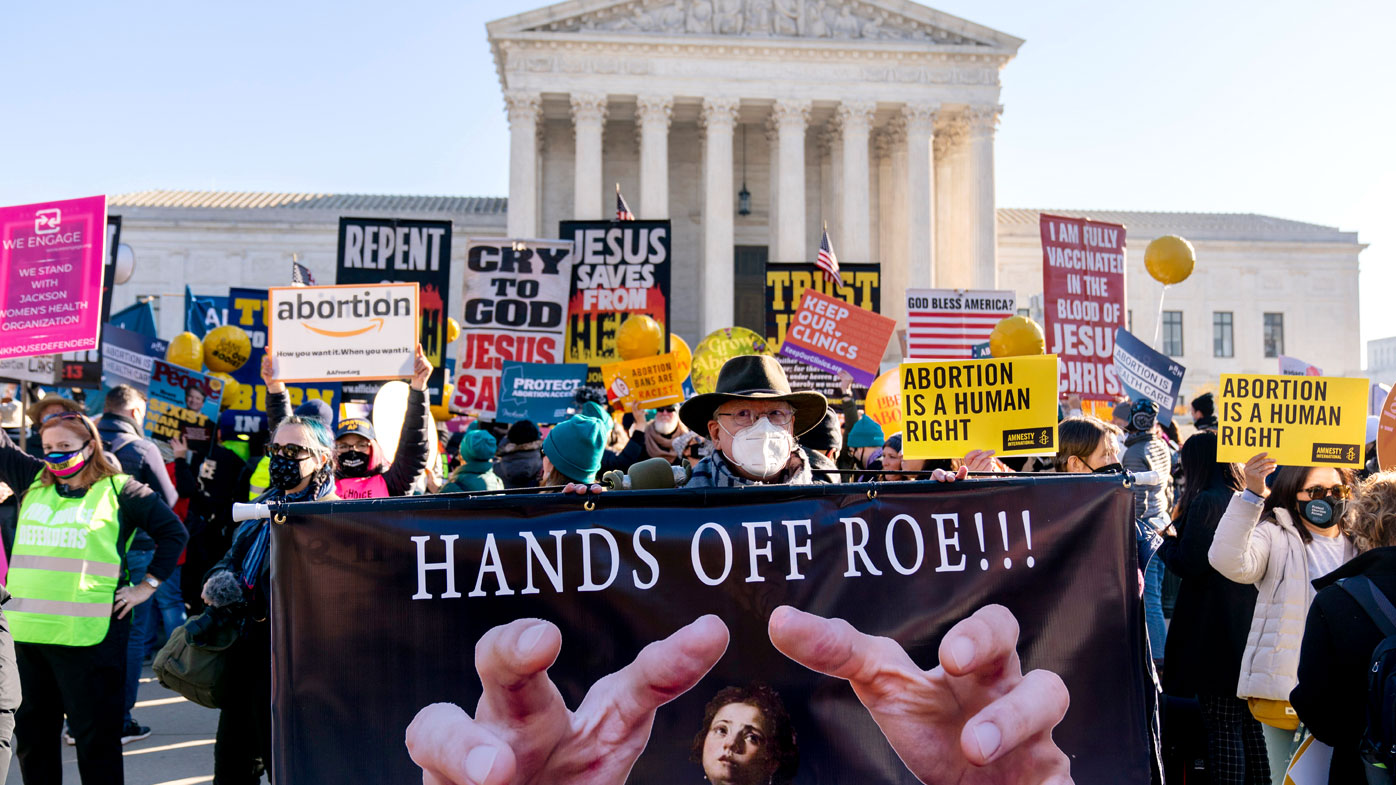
1170, 259
1017, 336
186, 351
639, 336
226, 348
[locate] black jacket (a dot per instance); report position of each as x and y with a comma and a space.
1212, 617
818, 460
1339, 637
413, 448
520, 466
212, 483
138, 509
139, 456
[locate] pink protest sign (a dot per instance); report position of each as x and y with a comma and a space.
51, 258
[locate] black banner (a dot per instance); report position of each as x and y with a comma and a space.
619, 268
786, 284
374, 618
389, 250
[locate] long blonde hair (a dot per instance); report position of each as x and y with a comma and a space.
1374, 512
98, 467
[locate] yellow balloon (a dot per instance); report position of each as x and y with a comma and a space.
639, 336
1170, 259
1017, 336
719, 347
230, 387
187, 351
227, 348
683, 356
442, 411
452, 330
884, 402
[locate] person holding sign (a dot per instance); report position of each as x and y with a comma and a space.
71, 604
1145, 451
1280, 536
361, 469
656, 440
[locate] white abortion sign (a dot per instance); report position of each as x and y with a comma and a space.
333, 333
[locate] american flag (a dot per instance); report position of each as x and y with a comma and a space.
827, 261
622, 209
300, 274
946, 324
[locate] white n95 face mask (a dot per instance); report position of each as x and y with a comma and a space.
761, 449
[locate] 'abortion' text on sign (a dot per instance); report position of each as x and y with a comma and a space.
1298, 421
1008, 405
331, 333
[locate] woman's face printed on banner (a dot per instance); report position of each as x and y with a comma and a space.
736, 750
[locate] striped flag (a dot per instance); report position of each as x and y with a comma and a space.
946, 324
622, 209
827, 261
300, 274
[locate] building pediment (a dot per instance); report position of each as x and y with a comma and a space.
834, 20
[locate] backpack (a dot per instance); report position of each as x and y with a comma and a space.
193, 660
1378, 747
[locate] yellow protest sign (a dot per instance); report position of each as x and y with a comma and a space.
1008, 405
1298, 420
651, 382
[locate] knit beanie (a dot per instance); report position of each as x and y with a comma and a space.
596, 411
865, 433
824, 436
574, 446
523, 432
476, 451
316, 409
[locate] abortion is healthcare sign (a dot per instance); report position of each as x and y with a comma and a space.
332, 333
51, 257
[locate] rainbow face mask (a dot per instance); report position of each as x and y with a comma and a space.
66, 464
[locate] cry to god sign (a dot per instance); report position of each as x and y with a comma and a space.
1008, 405
1297, 420
329, 333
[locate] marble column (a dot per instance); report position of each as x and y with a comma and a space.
524, 109
918, 176
719, 117
831, 196
791, 117
588, 120
895, 217
773, 186
979, 197
652, 114
854, 245
947, 151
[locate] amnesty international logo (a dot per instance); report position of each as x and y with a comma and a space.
1028, 439
1334, 453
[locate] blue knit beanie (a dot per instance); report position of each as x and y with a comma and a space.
865, 433
574, 446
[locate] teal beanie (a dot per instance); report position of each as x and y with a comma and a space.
575, 445
477, 450
865, 433
596, 411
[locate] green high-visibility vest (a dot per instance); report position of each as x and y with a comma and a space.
65, 566
261, 479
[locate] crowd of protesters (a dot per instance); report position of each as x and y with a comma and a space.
1239, 566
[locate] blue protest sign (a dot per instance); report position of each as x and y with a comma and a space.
539, 392
127, 357
1147, 373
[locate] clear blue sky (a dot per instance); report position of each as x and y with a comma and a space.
1281, 107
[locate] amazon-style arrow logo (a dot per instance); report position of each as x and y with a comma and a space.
377, 325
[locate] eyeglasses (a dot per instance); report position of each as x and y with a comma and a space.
340, 447
1337, 492
745, 417
293, 451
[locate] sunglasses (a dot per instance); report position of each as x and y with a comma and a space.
1337, 492
293, 451
63, 415
666, 409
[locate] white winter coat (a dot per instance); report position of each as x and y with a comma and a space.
1270, 555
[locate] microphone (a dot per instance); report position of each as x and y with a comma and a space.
1147, 479
250, 512
649, 474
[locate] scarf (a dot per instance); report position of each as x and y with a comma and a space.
660, 446
714, 472
261, 541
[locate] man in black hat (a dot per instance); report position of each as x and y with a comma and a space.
752, 419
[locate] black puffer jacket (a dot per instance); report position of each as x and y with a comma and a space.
520, 465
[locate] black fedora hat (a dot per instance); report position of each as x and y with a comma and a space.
753, 377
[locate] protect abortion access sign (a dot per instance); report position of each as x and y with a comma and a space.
331, 333
51, 258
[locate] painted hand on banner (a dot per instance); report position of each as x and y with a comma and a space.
974, 718
421, 371
268, 373
522, 732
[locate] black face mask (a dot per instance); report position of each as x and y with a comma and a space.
353, 463
1109, 468
285, 472
1324, 513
